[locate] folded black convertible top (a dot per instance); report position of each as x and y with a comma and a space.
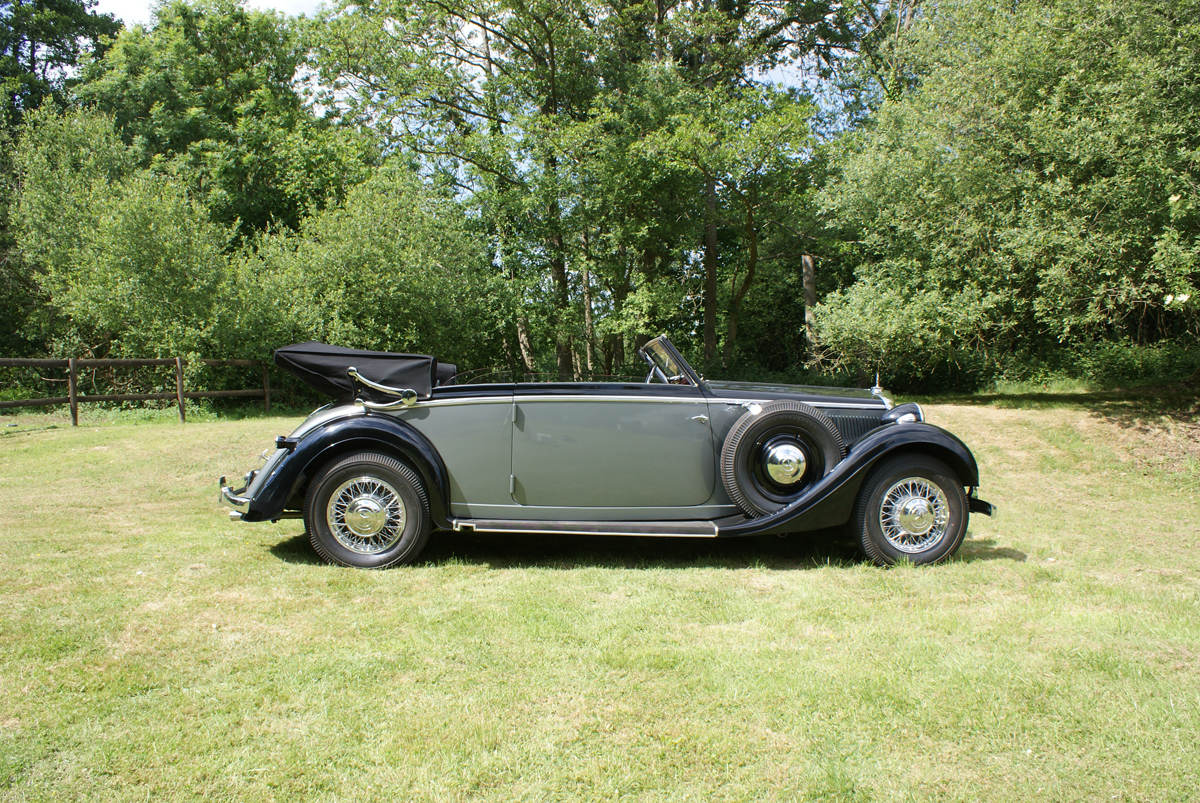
323, 367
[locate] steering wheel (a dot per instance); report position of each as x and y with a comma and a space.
655, 371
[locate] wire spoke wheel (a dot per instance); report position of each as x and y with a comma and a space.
366, 515
367, 510
914, 515
911, 508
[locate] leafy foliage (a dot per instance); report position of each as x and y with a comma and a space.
557, 121
130, 264
1042, 186
134, 266
982, 190
40, 42
392, 268
207, 94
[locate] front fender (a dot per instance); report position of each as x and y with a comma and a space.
830, 501
353, 433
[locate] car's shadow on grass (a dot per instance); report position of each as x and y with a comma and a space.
799, 551
986, 549
806, 550
296, 550
1127, 408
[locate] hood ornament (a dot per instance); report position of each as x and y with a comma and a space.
878, 392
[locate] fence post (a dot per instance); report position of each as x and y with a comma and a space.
72, 384
179, 388
266, 389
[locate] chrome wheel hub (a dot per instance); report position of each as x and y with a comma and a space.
914, 515
785, 463
366, 515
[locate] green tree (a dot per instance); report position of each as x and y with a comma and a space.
209, 94
750, 145
19, 296
394, 267
536, 111
130, 265
1038, 184
40, 42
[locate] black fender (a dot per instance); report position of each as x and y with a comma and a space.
830, 502
354, 433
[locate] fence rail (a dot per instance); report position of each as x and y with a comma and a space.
74, 399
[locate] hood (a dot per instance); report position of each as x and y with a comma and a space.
818, 396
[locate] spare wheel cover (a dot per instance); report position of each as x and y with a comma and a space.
770, 458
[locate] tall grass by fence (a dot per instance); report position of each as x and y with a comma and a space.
74, 399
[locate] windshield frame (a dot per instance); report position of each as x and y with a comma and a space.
661, 354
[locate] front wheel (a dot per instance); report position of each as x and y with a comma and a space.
368, 511
911, 507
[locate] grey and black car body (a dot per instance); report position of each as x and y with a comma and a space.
406, 449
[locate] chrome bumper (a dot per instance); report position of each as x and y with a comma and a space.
236, 499
976, 505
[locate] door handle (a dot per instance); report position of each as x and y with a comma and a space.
703, 419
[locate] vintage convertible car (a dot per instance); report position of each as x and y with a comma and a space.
407, 448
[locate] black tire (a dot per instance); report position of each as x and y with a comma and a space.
744, 464
390, 510
932, 491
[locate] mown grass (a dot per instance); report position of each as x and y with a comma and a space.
153, 650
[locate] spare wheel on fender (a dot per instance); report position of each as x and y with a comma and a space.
772, 456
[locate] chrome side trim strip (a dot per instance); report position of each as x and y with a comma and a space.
573, 528
839, 405
601, 397
457, 402
552, 398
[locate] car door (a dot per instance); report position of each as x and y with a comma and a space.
612, 446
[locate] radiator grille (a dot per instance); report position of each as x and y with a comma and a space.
852, 426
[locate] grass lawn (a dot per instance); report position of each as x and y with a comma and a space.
154, 650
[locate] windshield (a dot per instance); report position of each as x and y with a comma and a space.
665, 363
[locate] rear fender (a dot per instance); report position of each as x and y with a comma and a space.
355, 433
830, 502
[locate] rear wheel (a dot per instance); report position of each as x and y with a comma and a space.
911, 507
368, 511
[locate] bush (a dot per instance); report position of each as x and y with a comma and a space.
1108, 364
914, 341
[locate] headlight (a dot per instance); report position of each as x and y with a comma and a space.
909, 413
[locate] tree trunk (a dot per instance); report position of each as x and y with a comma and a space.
562, 298
738, 294
558, 273
660, 16
710, 271
589, 333
810, 302
575, 362
523, 343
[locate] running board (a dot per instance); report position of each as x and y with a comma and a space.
684, 529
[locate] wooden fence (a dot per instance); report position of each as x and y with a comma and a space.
73, 398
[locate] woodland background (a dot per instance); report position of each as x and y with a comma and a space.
948, 193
